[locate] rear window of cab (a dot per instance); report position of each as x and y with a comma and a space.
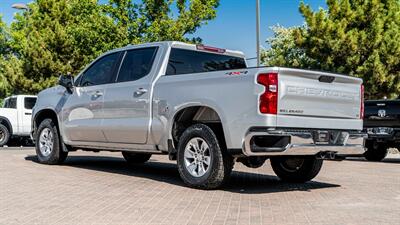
183, 61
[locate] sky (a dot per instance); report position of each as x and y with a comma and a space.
234, 27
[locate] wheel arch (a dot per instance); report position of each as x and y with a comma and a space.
6, 122
196, 113
43, 114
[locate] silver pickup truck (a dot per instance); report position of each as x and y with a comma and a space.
203, 107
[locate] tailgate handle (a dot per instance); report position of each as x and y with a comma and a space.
326, 79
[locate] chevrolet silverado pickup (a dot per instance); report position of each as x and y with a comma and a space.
16, 118
382, 124
203, 107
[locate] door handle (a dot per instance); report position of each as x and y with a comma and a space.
28, 114
96, 95
139, 92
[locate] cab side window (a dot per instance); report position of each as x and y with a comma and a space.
183, 61
11, 103
29, 103
101, 72
137, 64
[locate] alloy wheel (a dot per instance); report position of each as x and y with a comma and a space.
46, 142
197, 157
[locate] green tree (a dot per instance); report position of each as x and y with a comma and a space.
355, 37
5, 87
55, 37
154, 20
3, 37
283, 50
60, 36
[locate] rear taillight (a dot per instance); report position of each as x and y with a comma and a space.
269, 99
362, 102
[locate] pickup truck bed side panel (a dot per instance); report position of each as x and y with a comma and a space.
233, 97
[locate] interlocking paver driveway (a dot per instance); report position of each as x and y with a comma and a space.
100, 188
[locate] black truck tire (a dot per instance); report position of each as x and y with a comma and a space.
4, 135
48, 147
296, 169
375, 151
202, 161
136, 158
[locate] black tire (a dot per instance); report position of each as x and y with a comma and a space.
136, 158
375, 151
296, 169
253, 161
220, 164
56, 155
4, 135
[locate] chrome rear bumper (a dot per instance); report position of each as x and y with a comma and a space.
303, 142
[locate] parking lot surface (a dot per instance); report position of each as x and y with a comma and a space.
100, 188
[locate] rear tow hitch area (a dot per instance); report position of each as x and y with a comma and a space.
329, 155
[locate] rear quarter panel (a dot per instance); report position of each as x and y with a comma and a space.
233, 96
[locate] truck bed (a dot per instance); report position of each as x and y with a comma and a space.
305, 99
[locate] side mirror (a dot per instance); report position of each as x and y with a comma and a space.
66, 81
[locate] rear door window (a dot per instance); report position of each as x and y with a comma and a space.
182, 61
137, 64
29, 103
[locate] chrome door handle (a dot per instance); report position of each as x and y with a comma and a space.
139, 92
97, 94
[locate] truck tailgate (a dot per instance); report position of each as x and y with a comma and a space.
382, 113
313, 99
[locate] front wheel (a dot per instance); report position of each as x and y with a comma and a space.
202, 161
48, 145
296, 169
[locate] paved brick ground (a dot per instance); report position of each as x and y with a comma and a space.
100, 188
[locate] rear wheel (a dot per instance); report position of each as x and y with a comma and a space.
202, 161
375, 151
4, 135
136, 158
296, 169
48, 145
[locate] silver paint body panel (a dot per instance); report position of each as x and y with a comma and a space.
119, 120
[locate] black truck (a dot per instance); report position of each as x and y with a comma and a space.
382, 123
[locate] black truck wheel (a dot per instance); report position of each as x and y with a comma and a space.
202, 161
296, 169
136, 158
253, 161
48, 144
4, 135
375, 151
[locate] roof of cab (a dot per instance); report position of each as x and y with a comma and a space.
178, 44
24, 96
